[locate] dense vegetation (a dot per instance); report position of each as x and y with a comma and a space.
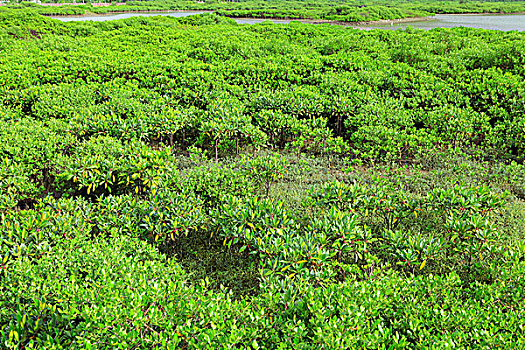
331, 10
194, 183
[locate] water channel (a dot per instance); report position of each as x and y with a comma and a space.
489, 21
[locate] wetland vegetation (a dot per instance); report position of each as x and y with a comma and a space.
180, 183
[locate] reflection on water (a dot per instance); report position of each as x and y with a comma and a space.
255, 20
111, 17
497, 22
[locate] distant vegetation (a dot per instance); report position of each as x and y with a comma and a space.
334, 10
193, 183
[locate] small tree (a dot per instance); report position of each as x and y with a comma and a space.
169, 123
11, 186
226, 124
266, 169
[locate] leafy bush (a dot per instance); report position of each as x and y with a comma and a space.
212, 182
173, 183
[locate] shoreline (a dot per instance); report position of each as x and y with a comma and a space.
374, 23
382, 22
303, 20
342, 23
482, 14
112, 13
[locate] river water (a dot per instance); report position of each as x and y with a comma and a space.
496, 22
112, 17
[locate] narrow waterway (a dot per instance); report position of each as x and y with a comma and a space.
112, 17
495, 22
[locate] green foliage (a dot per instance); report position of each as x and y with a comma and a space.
35, 149
105, 165
265, 169
162, 214
190, 183
457, 226
226, 126
212, 182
